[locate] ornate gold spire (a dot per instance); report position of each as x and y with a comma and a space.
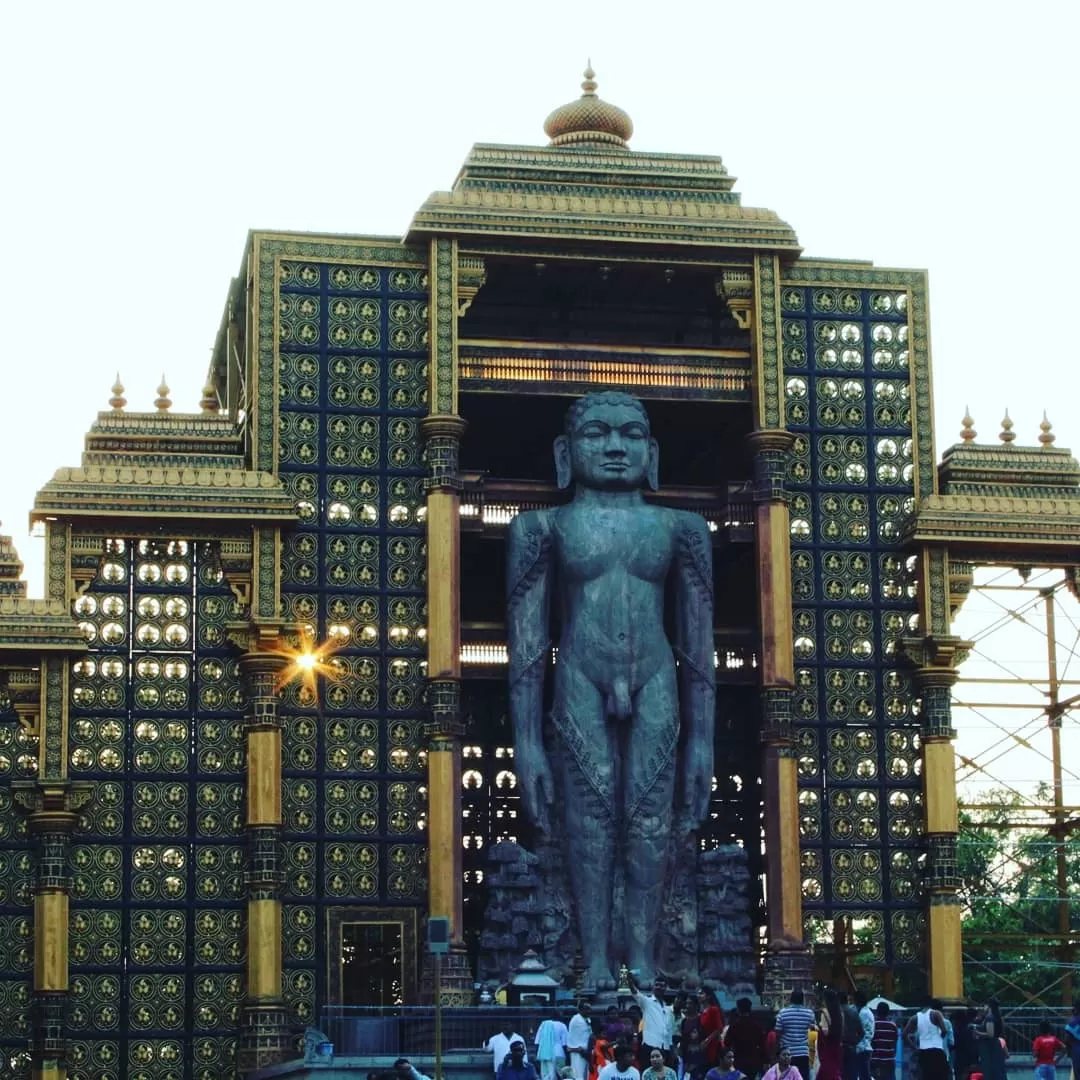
968, 431
589, 120
1046, 434
162, 402
1007, 435
117, 401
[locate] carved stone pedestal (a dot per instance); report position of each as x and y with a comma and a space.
788, 966
456, 979
265, 1038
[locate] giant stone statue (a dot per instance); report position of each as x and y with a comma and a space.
628, 761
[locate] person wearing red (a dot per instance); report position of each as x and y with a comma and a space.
712, 1026
1048, 1050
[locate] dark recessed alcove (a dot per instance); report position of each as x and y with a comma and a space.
597, 302
702, 443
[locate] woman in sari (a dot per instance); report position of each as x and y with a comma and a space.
830, 1041
712, 1027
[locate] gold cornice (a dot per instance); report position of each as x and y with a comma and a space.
38, 626
998, 520
361, 243
640, 219
164, 492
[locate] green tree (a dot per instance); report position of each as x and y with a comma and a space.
1009, 892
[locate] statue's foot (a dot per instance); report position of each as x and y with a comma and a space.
598, 978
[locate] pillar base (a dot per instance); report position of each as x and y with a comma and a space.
265, 1038
456, 981
788, 966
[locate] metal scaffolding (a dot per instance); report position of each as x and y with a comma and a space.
1016, 695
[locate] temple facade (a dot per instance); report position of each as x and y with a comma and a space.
256, 731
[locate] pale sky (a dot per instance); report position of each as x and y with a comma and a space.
144, 140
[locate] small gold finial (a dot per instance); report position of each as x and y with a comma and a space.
1007, 435
1046, 434
117, 401
209, 403
968, 431
162, 402
589, 85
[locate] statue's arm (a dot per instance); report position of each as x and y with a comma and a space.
528, 613
695, 647
528, 609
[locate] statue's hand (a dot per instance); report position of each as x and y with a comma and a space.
535, 782
697, 786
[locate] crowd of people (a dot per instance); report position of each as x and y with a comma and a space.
690, 1038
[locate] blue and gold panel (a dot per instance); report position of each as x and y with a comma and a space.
18, 761
850, 380
156, 932
352, 366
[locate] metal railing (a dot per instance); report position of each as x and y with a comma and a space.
1022, 1025
360, 1030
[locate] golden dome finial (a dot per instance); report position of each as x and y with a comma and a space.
162, 402
209, 403
1007, 435
117, 401
589, 121
968, 431
1046, 434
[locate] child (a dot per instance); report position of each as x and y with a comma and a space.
1048, 1050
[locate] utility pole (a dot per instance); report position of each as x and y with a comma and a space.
1055, 711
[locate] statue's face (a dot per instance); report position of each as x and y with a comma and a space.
609, 448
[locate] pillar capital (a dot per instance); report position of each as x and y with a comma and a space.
936, 653
260, 663
48, 798
442, 438
770, 447
770, 439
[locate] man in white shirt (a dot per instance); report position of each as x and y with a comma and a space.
578, 1037
622, 1068
657, 1019
499, 1045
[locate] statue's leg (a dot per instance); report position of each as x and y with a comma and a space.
588, 760
649, 793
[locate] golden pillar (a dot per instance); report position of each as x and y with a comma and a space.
53, 810
936, 658
787, 965
444, 728
264, 1034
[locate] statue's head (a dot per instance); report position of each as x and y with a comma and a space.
606, 445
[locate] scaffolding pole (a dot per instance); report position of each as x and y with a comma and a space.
1055, 711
